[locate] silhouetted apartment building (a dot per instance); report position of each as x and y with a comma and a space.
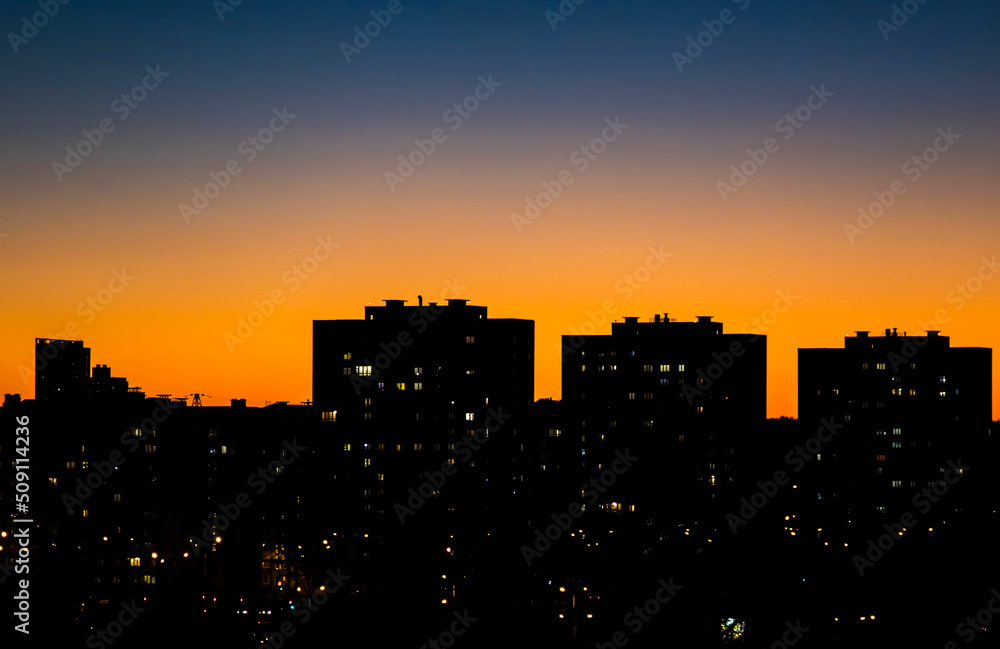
677, 394
908, 405
62, 369
412, 392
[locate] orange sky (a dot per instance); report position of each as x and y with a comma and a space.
781, 231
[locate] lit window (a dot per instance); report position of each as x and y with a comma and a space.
53, 481
364, 370
864, 366
664, 368
880, 366
647, 368
418, 386
347, 371
583, 368
941, 393
118, 498
680, 438
631, 395
148, 579
470, 416
417, 371
418, 447
554, 432
880, 458
71, 465
85, 464
224, 450
347, 447
680, 368
943, 379
400, 386
381, 477
347, 356
897, 483
85, 513
470, 339
330, 415
897, 445
135, 562
368, 462
897, 431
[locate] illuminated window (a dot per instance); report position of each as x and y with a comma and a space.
941, 393
85, 513
913, 392
224, 449
470, 339
135, 562
347, 371
647, 368
631, 395
680, 368
85, 464
554, 432
470, 416
880, 458
897, 483
53, 481
347, 356
330, 415
417, 371
347, 447
400, 386
897, 431
381, 477
418, 386
864, 366
943, 379
664, 368
118, 498
71, 465
148, 579
364, 370
368, 462
647, 396
897, 445
418, 447
880, 366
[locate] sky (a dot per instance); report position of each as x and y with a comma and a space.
749, 147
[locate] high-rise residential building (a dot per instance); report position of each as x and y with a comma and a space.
62, 369
908, 405
676, 394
